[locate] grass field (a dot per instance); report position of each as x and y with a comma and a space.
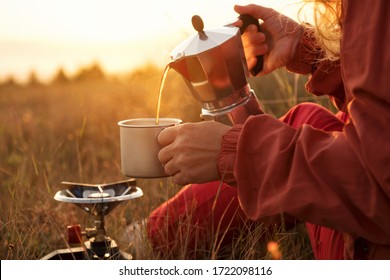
67, 130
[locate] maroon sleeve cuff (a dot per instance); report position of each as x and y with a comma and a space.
306, 55
227, 156
325, 76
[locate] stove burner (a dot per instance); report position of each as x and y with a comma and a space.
99, 195
98, 200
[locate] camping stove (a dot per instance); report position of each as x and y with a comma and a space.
97, 200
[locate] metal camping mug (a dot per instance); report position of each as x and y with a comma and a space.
139, 146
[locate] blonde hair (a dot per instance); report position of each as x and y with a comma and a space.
327, 26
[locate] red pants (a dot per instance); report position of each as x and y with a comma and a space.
211, 213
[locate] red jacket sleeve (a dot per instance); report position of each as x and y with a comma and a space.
324, 76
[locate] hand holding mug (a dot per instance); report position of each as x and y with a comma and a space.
190, 151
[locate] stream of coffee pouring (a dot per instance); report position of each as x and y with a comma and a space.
162, 83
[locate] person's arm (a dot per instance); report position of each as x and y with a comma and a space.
339, 180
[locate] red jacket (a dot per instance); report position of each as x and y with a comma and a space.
340, 180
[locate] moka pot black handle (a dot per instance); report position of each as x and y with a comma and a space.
247, 20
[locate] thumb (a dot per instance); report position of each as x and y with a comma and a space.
255, 11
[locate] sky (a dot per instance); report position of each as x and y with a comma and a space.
45, 35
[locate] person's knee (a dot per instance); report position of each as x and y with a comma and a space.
314, 115
307, 108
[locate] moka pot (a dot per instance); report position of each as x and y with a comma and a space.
213, 64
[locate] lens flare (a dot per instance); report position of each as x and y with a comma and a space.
273, 249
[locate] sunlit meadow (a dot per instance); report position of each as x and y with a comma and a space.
66, 130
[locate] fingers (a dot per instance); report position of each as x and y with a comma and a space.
171, 168
179, 179
253, 51
250, 38
164, 155
237, 23
254, 44
164, 138
167, 135
256, 11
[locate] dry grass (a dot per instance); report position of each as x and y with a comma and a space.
67, 131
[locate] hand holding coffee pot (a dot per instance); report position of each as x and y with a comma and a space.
276, 40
